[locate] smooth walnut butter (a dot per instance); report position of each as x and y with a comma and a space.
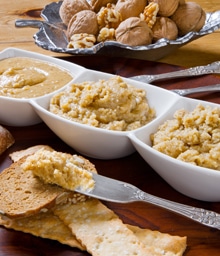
23, 77
59, 168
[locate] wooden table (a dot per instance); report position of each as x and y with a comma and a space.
199, 52
133, 169
202, 240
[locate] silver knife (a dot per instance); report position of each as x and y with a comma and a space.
112, 190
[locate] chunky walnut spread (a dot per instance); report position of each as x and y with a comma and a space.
109, 104
192, 137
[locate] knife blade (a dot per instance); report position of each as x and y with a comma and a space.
112, 190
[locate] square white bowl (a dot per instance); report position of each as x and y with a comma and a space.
18, 111
98, 142
193, 181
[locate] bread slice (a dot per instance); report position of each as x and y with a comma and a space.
6, 139
23, 194
17, 155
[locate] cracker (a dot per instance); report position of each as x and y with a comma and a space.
103, 233
163, 243
45, 225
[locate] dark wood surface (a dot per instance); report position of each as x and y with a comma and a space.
202, 240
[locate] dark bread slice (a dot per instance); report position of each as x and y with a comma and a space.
23, 194
6, 139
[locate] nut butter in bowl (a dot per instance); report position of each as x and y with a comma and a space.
26, 75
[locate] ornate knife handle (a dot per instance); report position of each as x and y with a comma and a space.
194, 71
205, 217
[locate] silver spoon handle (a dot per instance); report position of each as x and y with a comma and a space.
208, 88
194, 71
28, 23
205, 217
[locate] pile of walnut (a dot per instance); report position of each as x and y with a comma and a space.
130, 22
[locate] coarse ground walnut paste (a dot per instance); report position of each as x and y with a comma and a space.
192, 137
110, 104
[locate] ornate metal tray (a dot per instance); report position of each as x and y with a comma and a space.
51, 36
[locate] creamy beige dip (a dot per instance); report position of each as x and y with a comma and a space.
109, 104
193, 137
59, 168
23, 77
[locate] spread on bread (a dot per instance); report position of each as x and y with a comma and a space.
59, 168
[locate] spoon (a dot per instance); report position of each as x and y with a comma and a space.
213, 68
208, 88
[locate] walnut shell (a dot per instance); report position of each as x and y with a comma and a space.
130, 8
83, 22
164, 27
133, 31
166, 7
189, 17
69, 8
182, 1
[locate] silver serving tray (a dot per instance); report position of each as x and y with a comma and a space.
51, 36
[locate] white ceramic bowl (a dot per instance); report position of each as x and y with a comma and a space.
19, 112
193, 181
196, 182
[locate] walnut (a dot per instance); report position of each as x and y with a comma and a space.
133, 31
182, 1
98, 4
108, 17
83, 22
150, 14
166, 7
189, 17
164, 27
130, 8
69, 8
106, 34
82, 40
